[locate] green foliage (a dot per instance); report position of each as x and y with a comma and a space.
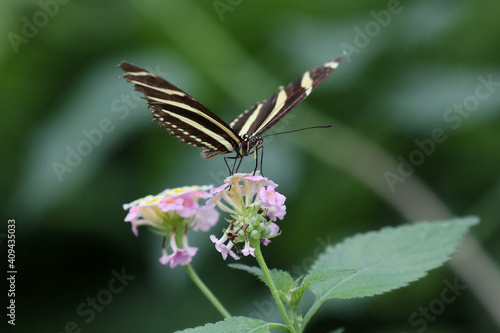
291, 291
383, 260
389, 258
232, 325
282, 279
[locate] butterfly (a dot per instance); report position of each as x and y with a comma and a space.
194, 124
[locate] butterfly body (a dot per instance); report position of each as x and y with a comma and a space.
195, 125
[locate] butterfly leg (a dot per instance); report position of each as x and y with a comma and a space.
239, 163
261, 159
256, 159
227, 164
231, 170
234, 168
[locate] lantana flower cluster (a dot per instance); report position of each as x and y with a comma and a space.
254, 206
172, 213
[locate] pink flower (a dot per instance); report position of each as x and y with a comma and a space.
218, 189
133, 214
274, 229
202, 194
271, 197
274, 212
222, 248
170, 204
185, 206
265, 241
205, 218
171, 212
181, 256
260, 179
273, 202
253, 204
143, 215
188, 208
248, 250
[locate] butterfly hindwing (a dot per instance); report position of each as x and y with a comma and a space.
182, 115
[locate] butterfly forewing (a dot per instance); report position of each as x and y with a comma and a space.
266, 114
180, 114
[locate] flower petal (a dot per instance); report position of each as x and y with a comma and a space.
182, 256
205, 218
248, 250
188, 206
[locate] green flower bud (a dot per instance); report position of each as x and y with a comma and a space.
255, 234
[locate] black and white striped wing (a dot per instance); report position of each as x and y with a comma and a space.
182, 115
266, 114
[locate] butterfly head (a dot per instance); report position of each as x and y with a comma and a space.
248, 143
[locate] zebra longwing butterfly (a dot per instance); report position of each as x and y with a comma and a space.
194, 124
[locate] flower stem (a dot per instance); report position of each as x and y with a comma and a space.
272, 286
204, 289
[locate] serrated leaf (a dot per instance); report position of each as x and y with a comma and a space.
283, 281
389, 258
296, 297
232, 325
326, 274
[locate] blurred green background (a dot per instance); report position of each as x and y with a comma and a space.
413, 69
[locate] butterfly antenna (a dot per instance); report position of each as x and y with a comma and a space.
297, 130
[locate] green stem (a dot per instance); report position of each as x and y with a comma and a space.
311, 312
280, 327
204, 289
272, 286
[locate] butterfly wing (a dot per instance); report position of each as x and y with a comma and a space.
182, 115
266, 114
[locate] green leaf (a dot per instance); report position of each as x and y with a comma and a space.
232, 325
283, 281
389, 258
326, 274
316, 277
